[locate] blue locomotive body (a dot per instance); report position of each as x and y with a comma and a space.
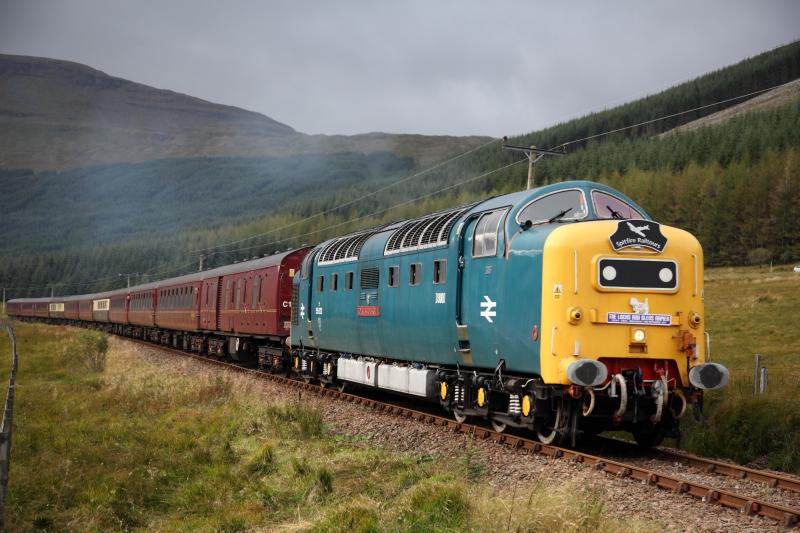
467, 299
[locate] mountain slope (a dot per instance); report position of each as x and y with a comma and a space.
780, 96
58, 114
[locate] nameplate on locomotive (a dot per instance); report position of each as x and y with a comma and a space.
639, 319
368, 310
640, 234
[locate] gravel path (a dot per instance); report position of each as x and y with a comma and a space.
508, 471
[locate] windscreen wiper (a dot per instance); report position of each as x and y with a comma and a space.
561, 214
615, 214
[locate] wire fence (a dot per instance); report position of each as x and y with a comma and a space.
5, 429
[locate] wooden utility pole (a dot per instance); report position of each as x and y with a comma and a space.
531, 168
533, 154
200, 268
4, 300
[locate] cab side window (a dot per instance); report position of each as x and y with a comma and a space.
569, 204
484, 238
609, 206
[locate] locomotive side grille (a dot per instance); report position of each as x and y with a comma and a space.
370, 278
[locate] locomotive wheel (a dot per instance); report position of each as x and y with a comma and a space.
499, 427
459, 416
551, 435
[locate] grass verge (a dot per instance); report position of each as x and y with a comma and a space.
748, 311
134, 445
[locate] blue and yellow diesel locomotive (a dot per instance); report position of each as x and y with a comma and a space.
564, 309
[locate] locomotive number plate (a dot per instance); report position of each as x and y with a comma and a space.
368, 310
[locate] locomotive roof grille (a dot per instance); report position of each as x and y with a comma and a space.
344, 249
426, 232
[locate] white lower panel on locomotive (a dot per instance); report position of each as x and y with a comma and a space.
404, 379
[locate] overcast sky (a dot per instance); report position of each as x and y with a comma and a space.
434, 67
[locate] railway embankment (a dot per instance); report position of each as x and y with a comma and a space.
149, 440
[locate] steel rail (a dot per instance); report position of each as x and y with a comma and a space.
786, 516
776, 481
713, 466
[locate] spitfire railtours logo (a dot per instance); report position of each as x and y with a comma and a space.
639, 233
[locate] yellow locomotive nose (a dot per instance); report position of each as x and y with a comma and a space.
632, 307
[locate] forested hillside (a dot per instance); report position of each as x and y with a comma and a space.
107, 203
736, 185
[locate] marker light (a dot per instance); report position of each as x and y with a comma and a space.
609, 273
665, 275
638, 335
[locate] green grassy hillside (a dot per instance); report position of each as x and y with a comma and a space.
753, 311
63, 115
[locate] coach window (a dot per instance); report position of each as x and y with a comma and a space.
334, 282
484, 239
238, 292
348, 281
415, 273
394, 276
320, 283
439, 271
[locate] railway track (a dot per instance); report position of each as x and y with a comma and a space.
747, 504
701, 464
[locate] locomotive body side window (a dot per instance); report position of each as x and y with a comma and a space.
393, 279
609, 206
320, 283
348, 281
334, 282
484, 239
439, 271
415, 274
570, 204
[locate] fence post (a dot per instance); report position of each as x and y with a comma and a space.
5, 427
756, 374
762, 387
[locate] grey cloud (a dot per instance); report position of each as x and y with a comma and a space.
443, 67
